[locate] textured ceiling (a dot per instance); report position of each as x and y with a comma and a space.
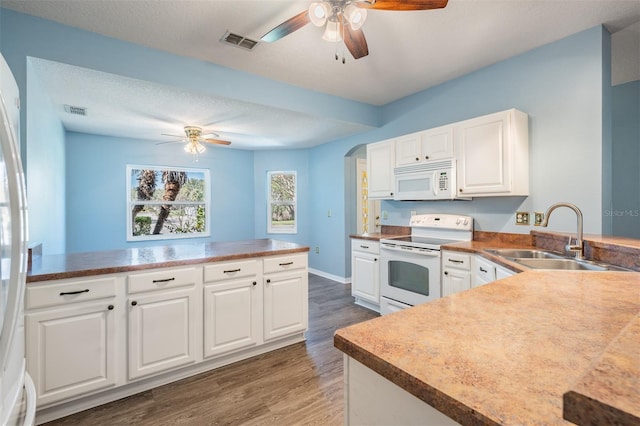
409, 51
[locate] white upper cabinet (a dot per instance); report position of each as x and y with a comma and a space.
428, 145
492, 155
380, 162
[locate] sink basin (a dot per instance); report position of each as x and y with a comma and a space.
542, 259
561, 263
526, 254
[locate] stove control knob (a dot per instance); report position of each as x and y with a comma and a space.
466, 221
458, 220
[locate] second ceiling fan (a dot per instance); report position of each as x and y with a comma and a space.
344, 19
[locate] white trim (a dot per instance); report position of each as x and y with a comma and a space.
341, 280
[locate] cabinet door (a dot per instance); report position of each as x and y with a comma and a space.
380, 162
437, 143
72, 351
408, 149
162, 331
285, 304
231, 316
484, 271
454, 281
483, 153
503, 273
365, 271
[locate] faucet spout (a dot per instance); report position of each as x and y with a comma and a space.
578, 248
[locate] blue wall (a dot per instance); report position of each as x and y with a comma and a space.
560, 85
96, 189
625, 213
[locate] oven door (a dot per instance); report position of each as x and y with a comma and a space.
409, 276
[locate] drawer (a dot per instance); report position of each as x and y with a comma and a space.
62, 293
484, 269
228, 270
159, 280
456, 260
366, 246
285, 263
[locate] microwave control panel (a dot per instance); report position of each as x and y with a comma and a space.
443, 181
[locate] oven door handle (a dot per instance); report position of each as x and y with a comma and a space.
412, 250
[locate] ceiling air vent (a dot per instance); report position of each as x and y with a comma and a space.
75, 110
238, 41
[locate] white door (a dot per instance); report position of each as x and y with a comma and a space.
437, 143
285, 304
408, 149
380, 163
231, 316
162, 331
71, 351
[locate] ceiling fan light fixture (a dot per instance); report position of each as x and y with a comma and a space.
355, 15
195, 148
333, 31
318, 13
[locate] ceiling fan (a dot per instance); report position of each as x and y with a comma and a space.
344, 19
195, 138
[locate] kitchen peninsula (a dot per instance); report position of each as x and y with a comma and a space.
501, 354
105, 325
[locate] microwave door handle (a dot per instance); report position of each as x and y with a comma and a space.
434, 184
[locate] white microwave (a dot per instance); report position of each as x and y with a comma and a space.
434, 180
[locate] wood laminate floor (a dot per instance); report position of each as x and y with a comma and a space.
297, 385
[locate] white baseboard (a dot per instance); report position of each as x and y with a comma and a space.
341, 280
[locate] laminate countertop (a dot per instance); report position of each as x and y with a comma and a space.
74, 265
534, 348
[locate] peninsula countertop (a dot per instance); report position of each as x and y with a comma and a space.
507, 352
64, 266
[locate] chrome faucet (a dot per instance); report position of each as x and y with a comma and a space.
578, 248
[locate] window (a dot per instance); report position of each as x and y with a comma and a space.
282, 210
167, 202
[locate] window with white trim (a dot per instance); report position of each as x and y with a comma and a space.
281, 198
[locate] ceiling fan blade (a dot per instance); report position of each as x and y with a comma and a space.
404, 4
175, 141
287, 27
355, 42
216, 141
173, 136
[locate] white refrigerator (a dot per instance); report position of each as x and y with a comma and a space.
17, 393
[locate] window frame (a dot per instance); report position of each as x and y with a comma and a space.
130, 202
271, 229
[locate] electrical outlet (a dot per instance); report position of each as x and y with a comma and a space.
522, 218
385, 215
329, 213
317, 250
538, 217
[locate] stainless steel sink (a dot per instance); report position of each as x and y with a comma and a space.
566, 264
525, 254
542, 259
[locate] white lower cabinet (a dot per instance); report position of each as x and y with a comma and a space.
232, 307
456, 272
365, 273
90, 341
286, 284
71, 329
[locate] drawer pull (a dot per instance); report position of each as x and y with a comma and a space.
364, 247
110, 307
286, 264
446, 273
255, 282
230, 271
65, 293
455, 261
134, 303
164, 280
483, 270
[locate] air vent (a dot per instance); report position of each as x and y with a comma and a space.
75, 110
238, 41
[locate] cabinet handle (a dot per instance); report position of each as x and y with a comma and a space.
460, 190
134, 303
455, 261
446, 273
164, 280
482, 269
417, 158
230, 271
268, 281
110, 307
426, 157
391, 193
286, 264
65, 293
364, 247
375, 259
255, 282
